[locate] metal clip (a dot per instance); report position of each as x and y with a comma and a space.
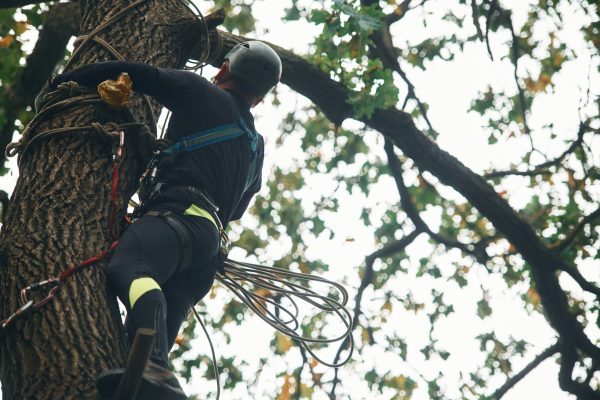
19, 311
224, 244
53, 284
119, 153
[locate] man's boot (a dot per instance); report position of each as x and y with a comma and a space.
158, 383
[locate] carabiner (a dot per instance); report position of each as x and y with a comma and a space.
20, 310
52, 283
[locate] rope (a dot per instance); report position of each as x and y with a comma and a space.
281, 283
53, 285
278, 281
212, 351
68, 94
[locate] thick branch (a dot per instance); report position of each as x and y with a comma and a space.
550, 351
308, 80
62, 22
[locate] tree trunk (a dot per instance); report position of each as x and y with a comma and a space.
58, 217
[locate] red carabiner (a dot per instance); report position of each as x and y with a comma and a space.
52, 283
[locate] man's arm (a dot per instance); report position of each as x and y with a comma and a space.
172, 88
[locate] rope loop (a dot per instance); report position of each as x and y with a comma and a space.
14, 148
70, 88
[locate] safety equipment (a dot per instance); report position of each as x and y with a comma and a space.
256, 64
149, 182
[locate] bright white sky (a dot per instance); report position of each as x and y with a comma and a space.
448, 88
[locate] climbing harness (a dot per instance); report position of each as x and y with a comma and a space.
150, 187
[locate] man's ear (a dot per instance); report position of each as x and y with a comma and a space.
222, 73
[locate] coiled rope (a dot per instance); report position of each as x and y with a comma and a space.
244, 280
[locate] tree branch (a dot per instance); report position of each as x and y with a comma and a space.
298, 373
62, 22
477, 250
488, 22
398, 14
543, 167
509, 384
332, 97
565, 379
560, 247
475, 18
366, 280
385, 50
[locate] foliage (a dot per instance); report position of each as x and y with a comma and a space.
416, 298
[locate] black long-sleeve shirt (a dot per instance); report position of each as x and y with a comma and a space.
196, 104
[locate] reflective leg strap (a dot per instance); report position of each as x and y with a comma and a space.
139, 287
200, 212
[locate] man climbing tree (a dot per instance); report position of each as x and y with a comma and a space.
370, 61
166, 261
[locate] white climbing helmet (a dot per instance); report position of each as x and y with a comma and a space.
255, 63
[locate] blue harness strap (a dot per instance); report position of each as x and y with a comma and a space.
197, 140
204, 138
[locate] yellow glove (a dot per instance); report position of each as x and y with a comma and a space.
116, 93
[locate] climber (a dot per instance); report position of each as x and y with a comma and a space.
166, 261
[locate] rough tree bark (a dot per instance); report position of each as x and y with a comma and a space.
61, 22
58, 217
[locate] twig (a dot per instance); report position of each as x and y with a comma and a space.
366, 280
488, 22
543, 167
412, 212
561, 246
475, 15
298, 374
509, 384
385, 50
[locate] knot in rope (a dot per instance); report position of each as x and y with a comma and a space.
70, 89
110, 129
14, 148
161, 144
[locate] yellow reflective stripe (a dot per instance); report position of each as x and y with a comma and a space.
139, 287
200, 212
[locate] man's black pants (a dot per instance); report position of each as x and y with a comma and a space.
146, 274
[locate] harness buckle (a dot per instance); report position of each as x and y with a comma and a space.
224, 242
